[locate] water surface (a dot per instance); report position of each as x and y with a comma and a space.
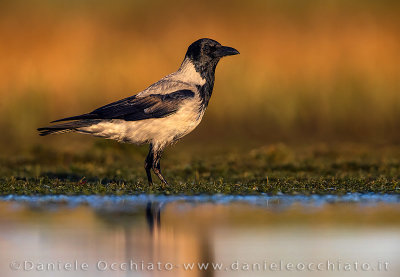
148, 235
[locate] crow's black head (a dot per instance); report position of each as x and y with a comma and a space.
205, 51
205, 54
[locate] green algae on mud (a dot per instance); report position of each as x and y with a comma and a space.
329, 185
111, 169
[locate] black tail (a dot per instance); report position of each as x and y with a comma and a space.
64, 128
78, 117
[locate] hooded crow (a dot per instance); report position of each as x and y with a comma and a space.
159, 115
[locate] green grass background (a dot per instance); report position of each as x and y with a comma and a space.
111, 168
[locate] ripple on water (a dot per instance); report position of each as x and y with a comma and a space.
132, 202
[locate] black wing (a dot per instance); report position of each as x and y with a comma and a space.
137, 108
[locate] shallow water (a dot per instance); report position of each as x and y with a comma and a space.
147, 235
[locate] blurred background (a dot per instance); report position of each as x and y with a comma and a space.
309, 71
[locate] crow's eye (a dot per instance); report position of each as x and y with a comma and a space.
207, 49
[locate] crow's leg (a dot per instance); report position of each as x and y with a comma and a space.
156, 165
148, 164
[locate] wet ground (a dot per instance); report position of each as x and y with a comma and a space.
219, 235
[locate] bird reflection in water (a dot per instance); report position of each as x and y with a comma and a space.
160, 240
153, 216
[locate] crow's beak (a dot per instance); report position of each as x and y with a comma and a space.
225, 51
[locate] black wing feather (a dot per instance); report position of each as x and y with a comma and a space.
137, 108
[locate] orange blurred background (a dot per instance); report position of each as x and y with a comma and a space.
308, 70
